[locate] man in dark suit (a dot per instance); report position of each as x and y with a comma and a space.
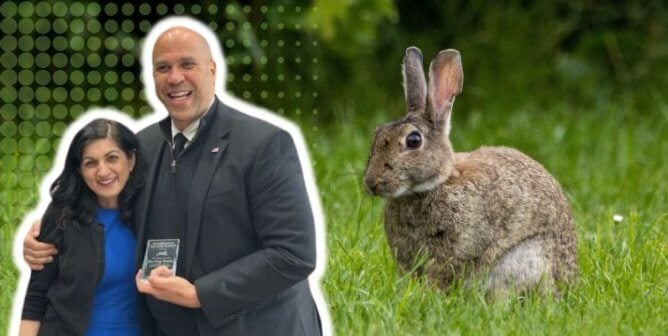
231, 188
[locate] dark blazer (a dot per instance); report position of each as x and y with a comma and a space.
251, 239
61, 295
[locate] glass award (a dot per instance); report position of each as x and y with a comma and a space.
160, 252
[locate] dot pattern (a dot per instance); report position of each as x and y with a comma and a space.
60, 58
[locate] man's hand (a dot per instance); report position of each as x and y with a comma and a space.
35, 253
163, 285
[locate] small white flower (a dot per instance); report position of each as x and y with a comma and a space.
617, 218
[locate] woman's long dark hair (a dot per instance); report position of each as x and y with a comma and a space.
74, 203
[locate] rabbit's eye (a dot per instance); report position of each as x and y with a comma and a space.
413, 140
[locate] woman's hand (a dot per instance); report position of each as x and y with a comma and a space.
29, 328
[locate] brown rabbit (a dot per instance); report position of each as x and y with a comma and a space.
494, 214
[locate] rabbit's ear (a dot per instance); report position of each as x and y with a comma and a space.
446, 78
415, 84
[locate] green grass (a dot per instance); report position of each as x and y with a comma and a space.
8, 275
610, 161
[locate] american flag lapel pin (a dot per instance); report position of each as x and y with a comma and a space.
215, 149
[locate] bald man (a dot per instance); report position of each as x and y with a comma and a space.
234, 195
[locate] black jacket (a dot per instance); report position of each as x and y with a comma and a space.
61, 295
251, 237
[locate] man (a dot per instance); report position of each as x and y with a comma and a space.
230, 188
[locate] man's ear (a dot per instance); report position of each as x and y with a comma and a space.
213, 68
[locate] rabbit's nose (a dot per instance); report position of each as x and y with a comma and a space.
372, 184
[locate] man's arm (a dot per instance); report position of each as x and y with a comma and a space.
282, 218
35, 253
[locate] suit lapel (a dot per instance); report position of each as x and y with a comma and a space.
153, 156
212, 152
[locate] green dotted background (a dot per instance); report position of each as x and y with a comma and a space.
60, 58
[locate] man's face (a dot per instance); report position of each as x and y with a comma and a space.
184, 74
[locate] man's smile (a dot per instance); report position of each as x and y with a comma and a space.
179, 95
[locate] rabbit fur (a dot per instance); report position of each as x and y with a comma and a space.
492, 215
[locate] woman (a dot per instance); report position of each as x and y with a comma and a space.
89, 288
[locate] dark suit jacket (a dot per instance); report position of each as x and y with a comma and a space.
251, 239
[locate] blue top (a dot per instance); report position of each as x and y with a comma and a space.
115, 301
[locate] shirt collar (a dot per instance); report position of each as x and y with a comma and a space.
191, 130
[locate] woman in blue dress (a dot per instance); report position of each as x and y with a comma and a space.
89, 288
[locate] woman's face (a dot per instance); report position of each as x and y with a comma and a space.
105, 168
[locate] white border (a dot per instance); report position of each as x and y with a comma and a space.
159, 113
45, 198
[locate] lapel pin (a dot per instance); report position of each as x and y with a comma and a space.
215, 150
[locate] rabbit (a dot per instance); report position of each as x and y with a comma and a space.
493, 215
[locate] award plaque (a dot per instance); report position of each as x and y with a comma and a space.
160, 252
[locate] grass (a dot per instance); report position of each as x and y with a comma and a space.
14, 204
611, 160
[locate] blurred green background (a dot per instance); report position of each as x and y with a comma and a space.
334, 68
